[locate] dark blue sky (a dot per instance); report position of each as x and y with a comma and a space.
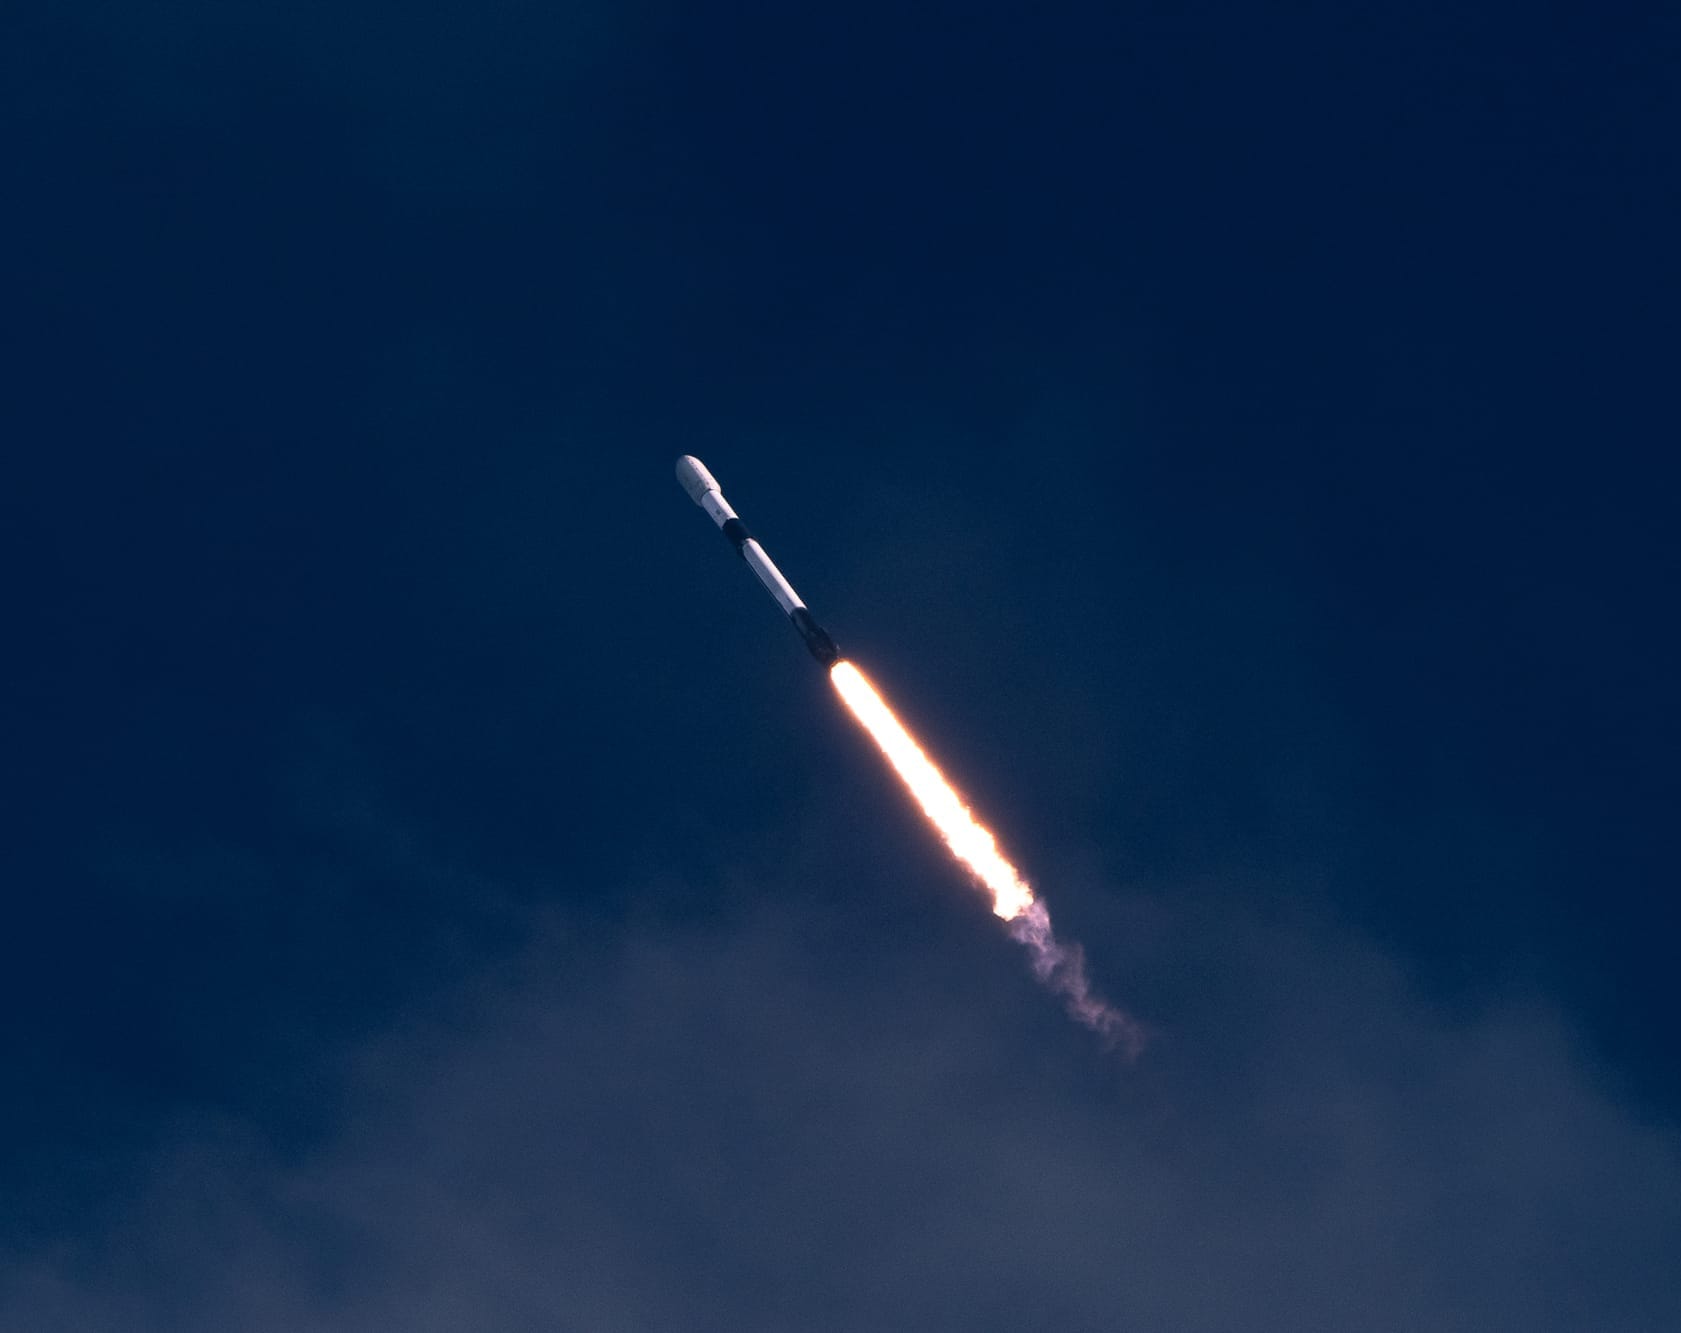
442, 895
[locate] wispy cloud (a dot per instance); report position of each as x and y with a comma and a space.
717, 1127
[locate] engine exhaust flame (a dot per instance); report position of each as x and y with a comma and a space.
1061, 967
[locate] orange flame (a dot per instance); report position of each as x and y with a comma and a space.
970, 843
1061, 967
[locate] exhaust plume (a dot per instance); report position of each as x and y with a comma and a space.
1060, 967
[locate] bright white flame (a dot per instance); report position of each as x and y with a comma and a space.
1061, 967
969, 842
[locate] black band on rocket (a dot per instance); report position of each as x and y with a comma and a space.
737, 532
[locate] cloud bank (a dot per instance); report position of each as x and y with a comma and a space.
721, 1126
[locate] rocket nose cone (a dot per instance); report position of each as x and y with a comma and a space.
694, 478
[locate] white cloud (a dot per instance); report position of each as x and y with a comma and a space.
732, 1127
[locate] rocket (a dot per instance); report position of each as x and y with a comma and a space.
703, 490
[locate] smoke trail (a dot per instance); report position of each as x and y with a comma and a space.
1060, 967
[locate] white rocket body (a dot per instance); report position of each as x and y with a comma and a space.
702, 487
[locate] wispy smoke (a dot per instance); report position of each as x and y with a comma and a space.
1062, 968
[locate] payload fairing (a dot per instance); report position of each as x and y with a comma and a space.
703, 490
